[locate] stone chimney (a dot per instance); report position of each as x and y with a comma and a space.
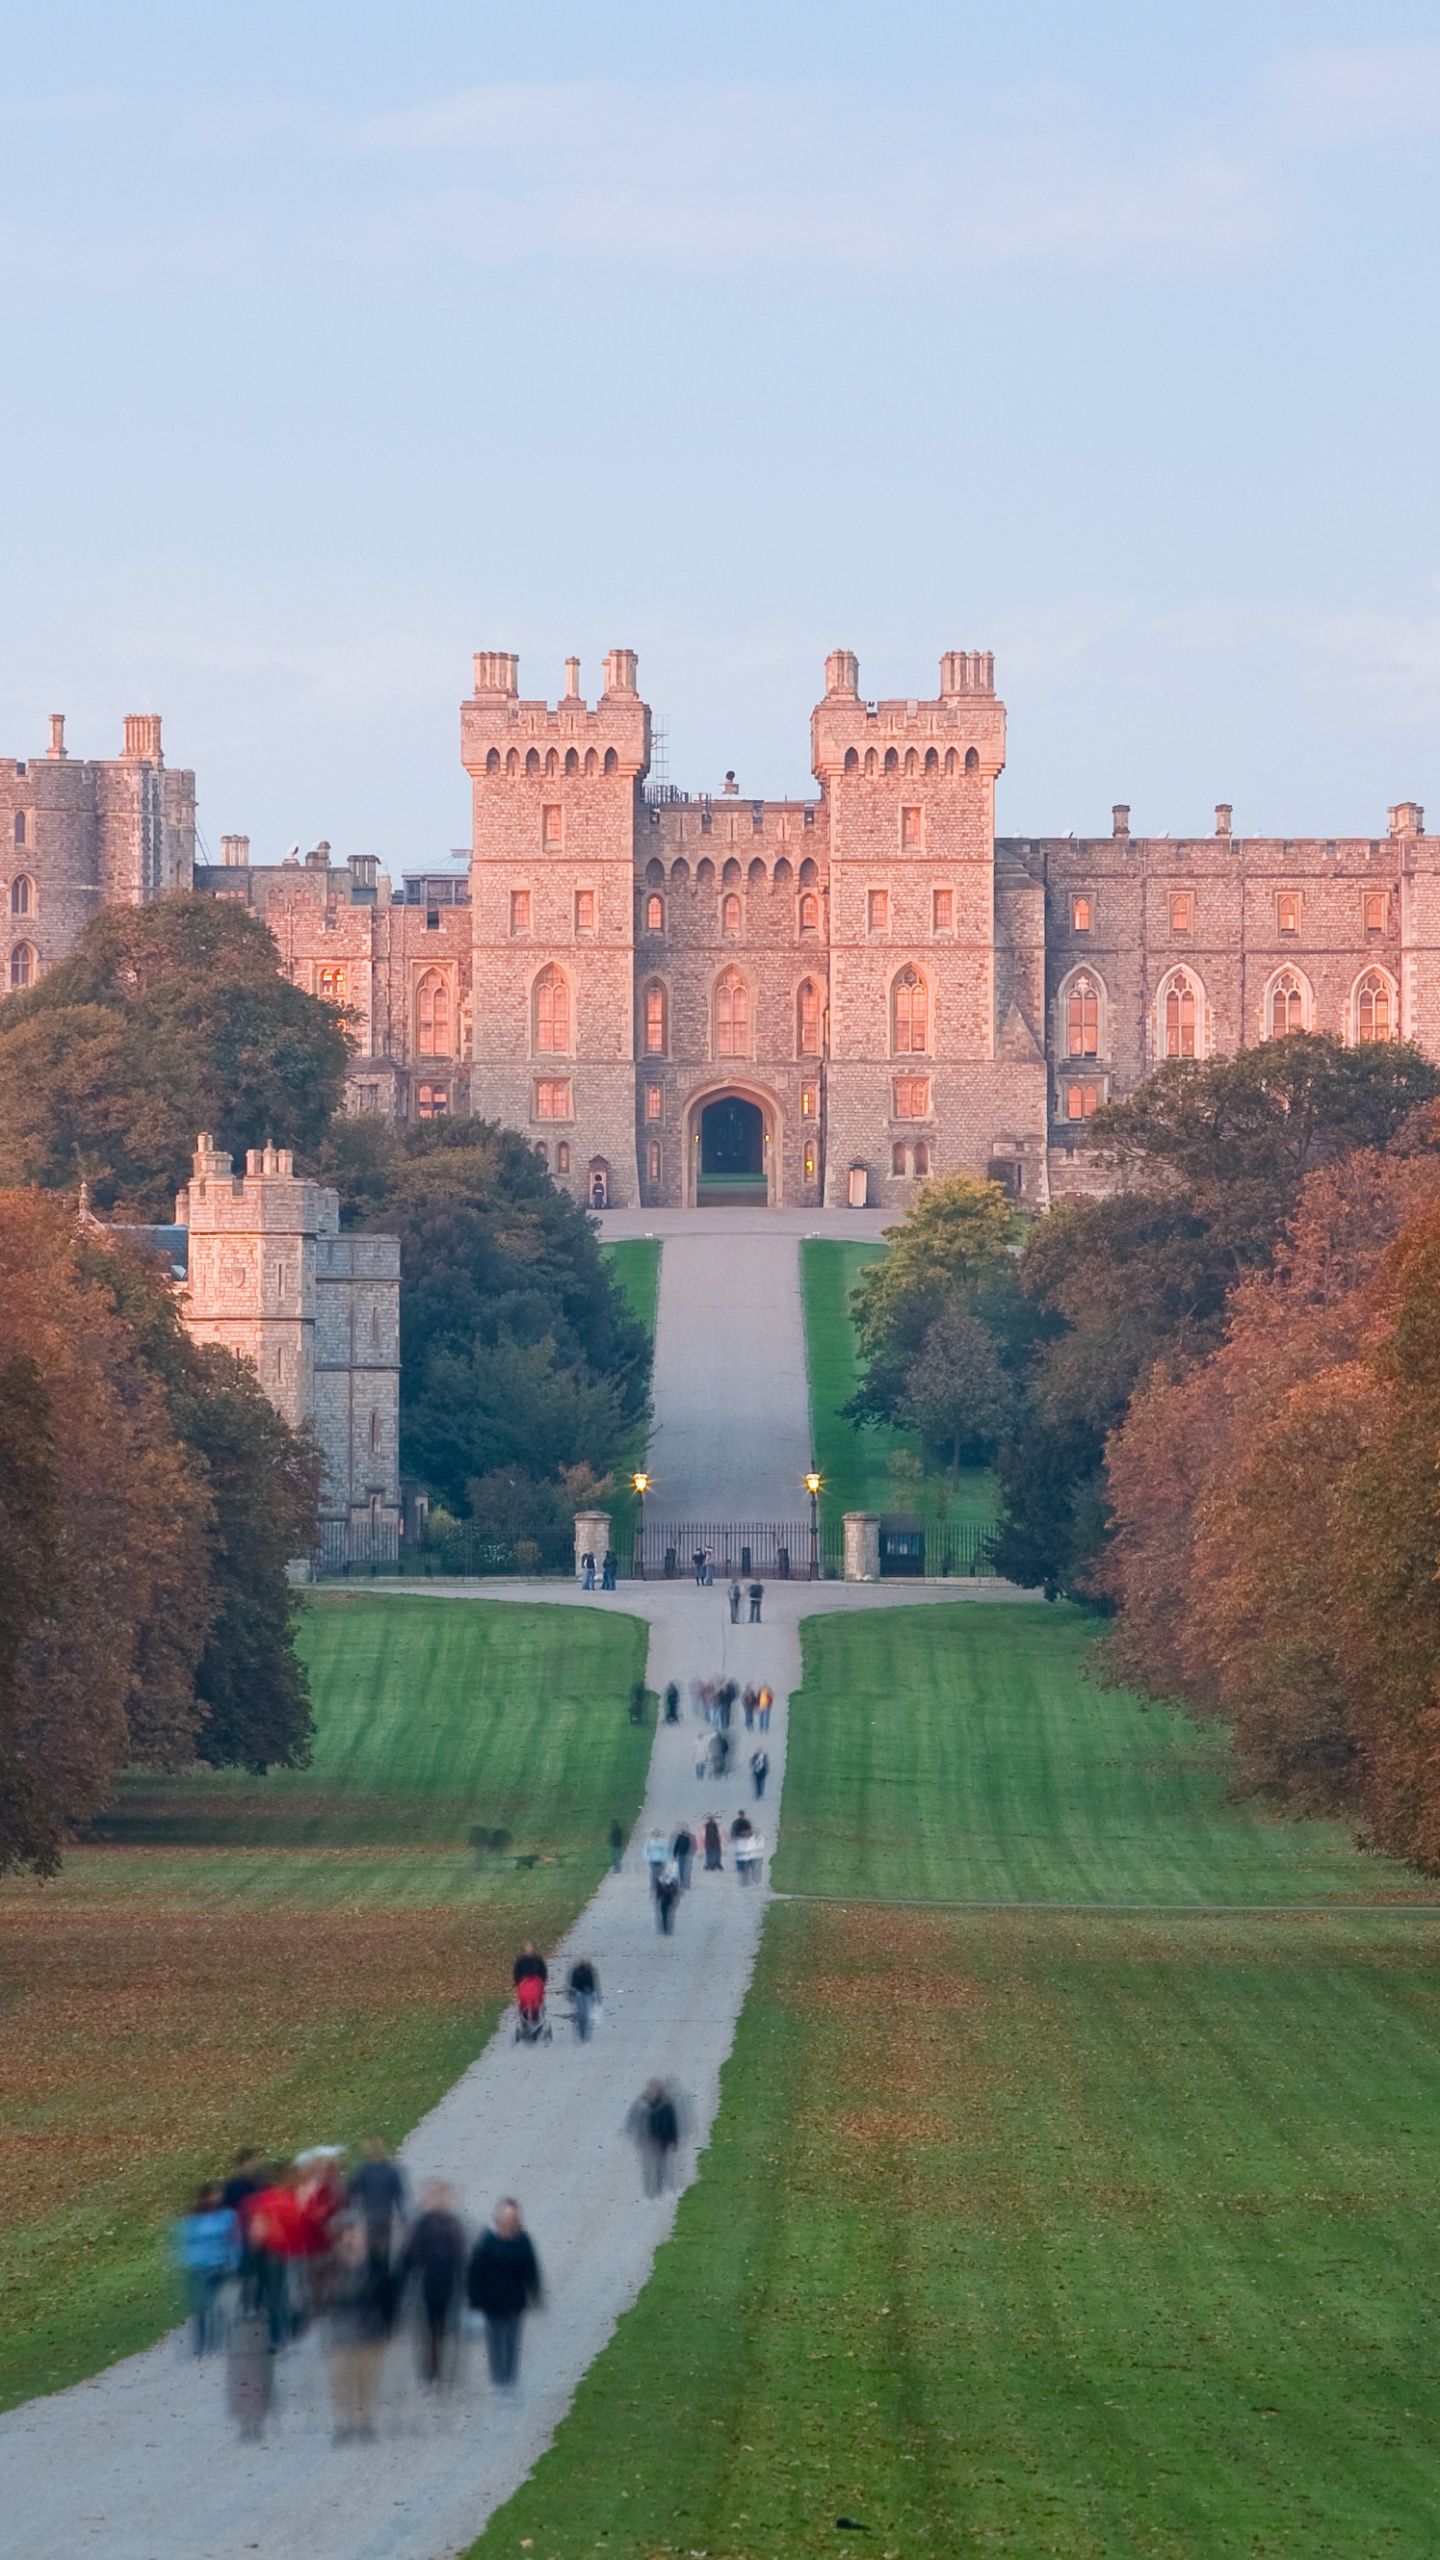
966, 671
57, 737
620, 667
842, 675
1120, 818
1407, 818
572, 679
1224, 812
142, 737
235, 852
211, 1163
497, 671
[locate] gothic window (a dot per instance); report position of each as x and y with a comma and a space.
809, 912
572, 761
543, 1152
655, 1023
22, 895
730, 913
552, 762
1179, 1014
897, 1158
20, 826
809, 1012
912, 1098
932, 760
552, 1013
808, 1160
654, 1102
612, 761
551, 827
912, 761
942, 911
562, 1152
1376, 902
1182, 912
972, 760
654, 915
552, 1098
910, 1036
434, 1101
432, 1014
1081, 1100
512, 761
892, 760
652, 1160
952, 763
910, 830
1082, 1019
532, 760
809, 1102
592, 765
869, 759
332, 984
732, 1016
852, 760
921, 1160
1287, 912
519, 910
22, 966
877, 910
1375, 1008
1287, 1006
1080, 915
584, 911
492, 761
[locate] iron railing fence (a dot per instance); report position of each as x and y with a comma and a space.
912, 1549
737, 1550
466, 1552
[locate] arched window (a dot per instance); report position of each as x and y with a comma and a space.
22, 966
655, 1020
434, 1101
1375, 1008
757, 873
562, 1157
532, 761
572, 761
892, 760
652, 1160
912, 761
809, 912
331, 984
869, 759
730, 913
543, 1152
22, 895
492, 761
972, 759
1082, 1019
654, 915
922, 1161
1179, 1016
512, 761
552, 762
897, 1158
1080, 914
20, 826
932, 761
852, 760
732, 1016
592, 765
612, 761
1285, 1011
808, 1011
952, 762
552, 1014
911, 1008
432, 1014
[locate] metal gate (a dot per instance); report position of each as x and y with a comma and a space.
729, 1551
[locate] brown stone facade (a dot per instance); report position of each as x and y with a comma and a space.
862, 989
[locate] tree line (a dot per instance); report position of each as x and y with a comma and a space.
149, 1494
1212, 1401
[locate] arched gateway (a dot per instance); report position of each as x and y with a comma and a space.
731, 1152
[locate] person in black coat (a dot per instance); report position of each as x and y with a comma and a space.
504, 2283
435, 2257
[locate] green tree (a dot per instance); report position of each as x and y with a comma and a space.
956, 1394
954, 1242
165, 1019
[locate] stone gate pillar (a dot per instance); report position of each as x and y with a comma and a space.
592, 1537
862, 1546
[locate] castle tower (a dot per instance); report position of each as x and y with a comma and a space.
926, 1038
552, 888
76, 836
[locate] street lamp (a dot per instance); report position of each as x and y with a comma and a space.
812, 1487
641, 1482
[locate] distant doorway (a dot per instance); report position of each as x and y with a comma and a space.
732, 1154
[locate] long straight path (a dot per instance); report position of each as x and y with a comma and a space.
732, 1402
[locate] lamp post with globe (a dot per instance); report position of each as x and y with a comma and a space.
641, 1482
812, 1487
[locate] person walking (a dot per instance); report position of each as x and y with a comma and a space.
617, 1848
702, 1755
637, 1702
585, 1995
757, 1594
503, 2284
714, 1857
734, 1604
764, 1704
709, 1567
587, 1573
529, 1967
653, 2125
434, 2257
682, 1850
207, 2251
358, 2323
377, 2195
749, 1702
672, 1701
608, 1570
698, 1561
667, 1894
656, 1853
750, 1856
759, 1770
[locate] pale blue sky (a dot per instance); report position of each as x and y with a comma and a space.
341, 342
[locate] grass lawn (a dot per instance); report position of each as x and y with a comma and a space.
856, 1465
635, 1266
1094, 2234
295, 1958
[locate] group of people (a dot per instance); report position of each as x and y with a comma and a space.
276, 2250
609, 1566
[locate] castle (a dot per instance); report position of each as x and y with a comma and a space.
692, 1000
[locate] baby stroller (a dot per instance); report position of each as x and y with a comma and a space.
531, 2023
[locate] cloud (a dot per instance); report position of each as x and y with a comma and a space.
1357, 93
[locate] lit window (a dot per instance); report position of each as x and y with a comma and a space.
584, 910
22, 895
1376, 903
910, 830
1287, 1006
809, 1102
433, 1101
730, 913
519, 910
1082, 1020
655, 1024
562, 1157
1079, 915
654, 915
911, 1028
1081, 1100
552, 1098
1182, 912
1374, 1009
912, 1098
897, 1158
809, 1020
551, 827
732, 1017
652, 1159
809, 1160
1287, 911
552, 1013
432, 1015
332, 985
654, 1102
809, 913
922, 1159
1179, 1019
879, 910
944, 910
